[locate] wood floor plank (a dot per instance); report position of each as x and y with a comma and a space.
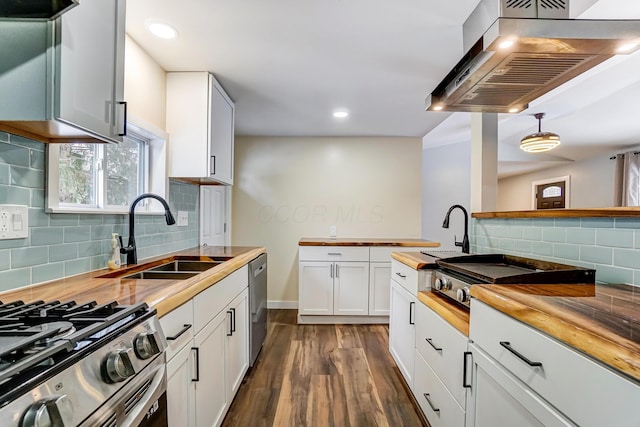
323, 375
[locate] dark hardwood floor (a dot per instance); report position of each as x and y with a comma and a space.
323, 375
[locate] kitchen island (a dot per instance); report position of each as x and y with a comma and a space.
549, 350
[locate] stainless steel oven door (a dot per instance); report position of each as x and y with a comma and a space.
142, 402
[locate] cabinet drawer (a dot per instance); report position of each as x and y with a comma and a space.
584, 390
437, 404
208, 303
442, 347
177, 326
333, 253
383, 253
406, 276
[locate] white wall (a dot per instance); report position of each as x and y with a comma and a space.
446, 181
144, 86
591, 185
286, 188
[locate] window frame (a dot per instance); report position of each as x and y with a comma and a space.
155, 168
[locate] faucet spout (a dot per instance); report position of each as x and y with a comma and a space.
465, 239
130, 250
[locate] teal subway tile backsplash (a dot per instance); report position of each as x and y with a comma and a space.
614, 238
596, 254
60, 244
627, 258
581, 236
610, 246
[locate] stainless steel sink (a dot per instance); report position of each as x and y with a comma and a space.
166, 275
184, 265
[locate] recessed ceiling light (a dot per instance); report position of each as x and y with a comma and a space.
340, 114
627, 47
437, 108
164, 31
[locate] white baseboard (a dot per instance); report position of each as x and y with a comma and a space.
282, 304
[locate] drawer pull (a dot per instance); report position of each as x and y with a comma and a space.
429, 340
334, 253
181, 332
507, 345
403, 276
433, 408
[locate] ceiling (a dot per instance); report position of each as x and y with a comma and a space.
288, 64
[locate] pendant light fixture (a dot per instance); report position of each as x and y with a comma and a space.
539, 141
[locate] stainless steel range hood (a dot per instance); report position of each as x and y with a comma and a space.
525, 49
34, 9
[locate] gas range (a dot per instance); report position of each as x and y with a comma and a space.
68, 364
455, 275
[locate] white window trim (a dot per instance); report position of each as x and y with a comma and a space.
157, 164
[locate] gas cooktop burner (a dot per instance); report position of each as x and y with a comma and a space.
63, 329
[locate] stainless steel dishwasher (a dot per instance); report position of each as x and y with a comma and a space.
258, 304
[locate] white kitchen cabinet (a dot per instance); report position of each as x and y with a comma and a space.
402, 334
540, 379
208, 352
237, 345
379, 282
72, 87
200, 121
181, 404
315, 288
177, 326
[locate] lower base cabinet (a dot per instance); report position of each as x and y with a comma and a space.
402, 330
204, 373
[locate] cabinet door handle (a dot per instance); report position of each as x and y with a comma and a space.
430, 341
402, 276
433, 408
230, 317
124, 119
197, 378
507, 345
411, 304
464, 369
213, 165
180, 332
331, 271
337, 271
233, 320
334, 253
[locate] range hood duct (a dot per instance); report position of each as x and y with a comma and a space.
525, 49
35, 9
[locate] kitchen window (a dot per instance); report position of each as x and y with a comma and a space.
106, 178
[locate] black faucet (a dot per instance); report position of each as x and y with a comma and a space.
130, 249
465, 239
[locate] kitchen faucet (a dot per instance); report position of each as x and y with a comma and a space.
130, 249
465, 238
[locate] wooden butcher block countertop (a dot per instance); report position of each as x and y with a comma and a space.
164, 295
602, 321
355, 241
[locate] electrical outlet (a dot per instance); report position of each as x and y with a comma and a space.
183, 219
14, 222
333, 231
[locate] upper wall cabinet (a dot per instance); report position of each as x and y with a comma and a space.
200, 120
63, 80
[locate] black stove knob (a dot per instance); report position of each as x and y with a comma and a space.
442, 284
462, 294
147, 344
54, 411
118, 366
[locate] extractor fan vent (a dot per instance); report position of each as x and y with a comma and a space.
496, 95
554, 4
534, 69
519, 4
